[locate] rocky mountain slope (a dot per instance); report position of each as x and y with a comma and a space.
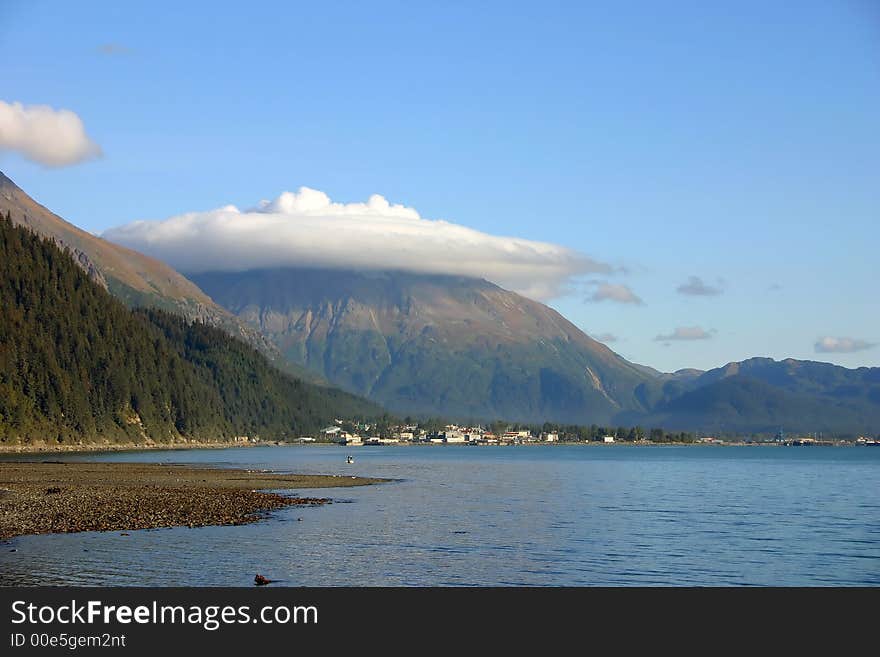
434, 344
136, 279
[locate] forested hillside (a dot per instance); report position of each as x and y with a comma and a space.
76, 364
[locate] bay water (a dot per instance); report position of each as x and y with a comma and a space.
531, 515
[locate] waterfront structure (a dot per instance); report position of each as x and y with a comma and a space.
351, 439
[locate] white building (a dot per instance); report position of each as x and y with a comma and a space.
551, 437
376, 440
351, 439
453, 437
608, 439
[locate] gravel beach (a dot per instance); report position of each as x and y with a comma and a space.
52, 497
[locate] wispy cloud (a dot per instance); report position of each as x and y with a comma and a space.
696, 287
617, 292
831, 345
684, 333
307, 229
53, 138
112, 49
605, 337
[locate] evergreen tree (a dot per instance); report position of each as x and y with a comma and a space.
76, 364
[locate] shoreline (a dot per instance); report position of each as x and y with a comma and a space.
66, 497
103, 448
42, 448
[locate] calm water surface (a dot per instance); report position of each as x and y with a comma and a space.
529, 515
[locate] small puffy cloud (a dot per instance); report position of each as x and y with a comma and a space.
696, 287
53, 138
685, 333
830, 345
605, 337
307, 229
113, 49
618, 292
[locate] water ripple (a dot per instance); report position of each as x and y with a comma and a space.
531, 516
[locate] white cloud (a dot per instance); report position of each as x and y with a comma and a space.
686, 333
307, 229
53, 138
614, 292
830, 345
696, 287
605, 337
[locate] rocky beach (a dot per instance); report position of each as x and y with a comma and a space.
52, 497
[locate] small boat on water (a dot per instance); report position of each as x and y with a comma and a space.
349, 459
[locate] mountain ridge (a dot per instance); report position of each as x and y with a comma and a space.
137, 279
404, 324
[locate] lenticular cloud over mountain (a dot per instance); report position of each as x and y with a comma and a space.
307, 229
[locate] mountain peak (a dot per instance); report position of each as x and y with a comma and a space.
432, 343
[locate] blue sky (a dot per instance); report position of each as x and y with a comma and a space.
736, 142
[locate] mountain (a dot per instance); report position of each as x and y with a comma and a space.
763, 395
140, 281
460, 347
77, 365
466, 348
434, 345
804, 377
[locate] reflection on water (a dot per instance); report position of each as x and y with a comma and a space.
530, 515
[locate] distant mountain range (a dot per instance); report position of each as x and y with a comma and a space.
465, 348
441, 345
765, 395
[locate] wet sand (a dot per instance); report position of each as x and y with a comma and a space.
52, 497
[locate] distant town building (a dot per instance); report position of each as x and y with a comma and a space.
376, 440
453, 436
351, 439
608, 439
